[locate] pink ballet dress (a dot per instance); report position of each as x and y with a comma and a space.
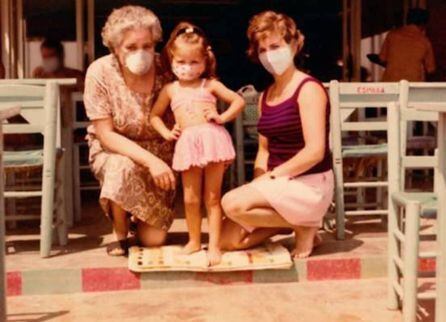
201, 144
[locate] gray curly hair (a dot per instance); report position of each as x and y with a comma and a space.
127, 18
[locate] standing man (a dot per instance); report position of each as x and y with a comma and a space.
407, 52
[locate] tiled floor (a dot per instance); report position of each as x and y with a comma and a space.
346, 301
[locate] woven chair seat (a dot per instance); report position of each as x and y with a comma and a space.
361, 151
14, 161
428, 202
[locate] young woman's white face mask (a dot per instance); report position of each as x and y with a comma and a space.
277, 61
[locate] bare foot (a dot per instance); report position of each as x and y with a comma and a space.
214, 256
306, 239
190, 248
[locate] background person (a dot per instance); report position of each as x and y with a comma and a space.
53, 64
407, 52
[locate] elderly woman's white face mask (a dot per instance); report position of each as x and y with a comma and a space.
137, 51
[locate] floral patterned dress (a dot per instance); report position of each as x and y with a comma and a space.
124, 182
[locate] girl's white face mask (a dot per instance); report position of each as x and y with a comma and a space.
277, 61
139, 61
187, 72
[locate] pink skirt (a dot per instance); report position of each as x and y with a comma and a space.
202, 144
301, 201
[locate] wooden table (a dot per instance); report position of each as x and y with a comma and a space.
5, 113
440, 305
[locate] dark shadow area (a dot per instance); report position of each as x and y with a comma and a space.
35, 317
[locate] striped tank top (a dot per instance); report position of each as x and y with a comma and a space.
282, 126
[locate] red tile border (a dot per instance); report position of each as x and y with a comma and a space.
120, 278
426, 264
13, 284
109, 279
333, 269
224, 278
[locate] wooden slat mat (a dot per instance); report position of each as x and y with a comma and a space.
169, 258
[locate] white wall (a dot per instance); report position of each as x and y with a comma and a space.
372, 45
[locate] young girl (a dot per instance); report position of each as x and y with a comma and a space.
204, 146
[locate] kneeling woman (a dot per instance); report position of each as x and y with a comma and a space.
293, 184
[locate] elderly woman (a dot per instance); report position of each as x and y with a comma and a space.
127, 155
293, 187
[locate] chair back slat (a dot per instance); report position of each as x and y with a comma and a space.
34, 101
10, 92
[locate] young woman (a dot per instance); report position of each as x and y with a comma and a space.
293, 184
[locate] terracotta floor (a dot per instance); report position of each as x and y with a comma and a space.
346, 301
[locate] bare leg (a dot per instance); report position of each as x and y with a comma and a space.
192, 182
234, 237
150, 236
212, 199
246, 206
120, 229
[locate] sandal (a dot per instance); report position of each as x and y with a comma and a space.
133, 224
118, 248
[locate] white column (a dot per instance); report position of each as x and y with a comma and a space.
6, 36
345, 42
90, 29
21, 38
80, 33
355, 18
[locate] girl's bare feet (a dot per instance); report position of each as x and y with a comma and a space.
191, 247
214, 256
306, 239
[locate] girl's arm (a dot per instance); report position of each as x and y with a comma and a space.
158, 110
235, 101
117, 143
312, 109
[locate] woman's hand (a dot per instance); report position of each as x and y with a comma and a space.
162, 175
212, 115
173, 134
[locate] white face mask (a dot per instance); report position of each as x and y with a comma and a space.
50, 64
278, 60
187, 72
139, 61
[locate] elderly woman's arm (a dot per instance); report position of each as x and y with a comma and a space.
114, 142
312, 109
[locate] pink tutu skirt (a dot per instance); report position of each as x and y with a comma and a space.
202, 144
301, 201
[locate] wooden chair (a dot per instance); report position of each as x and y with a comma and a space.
80, 165
407, 207
40, 108
245, 130
345, 99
